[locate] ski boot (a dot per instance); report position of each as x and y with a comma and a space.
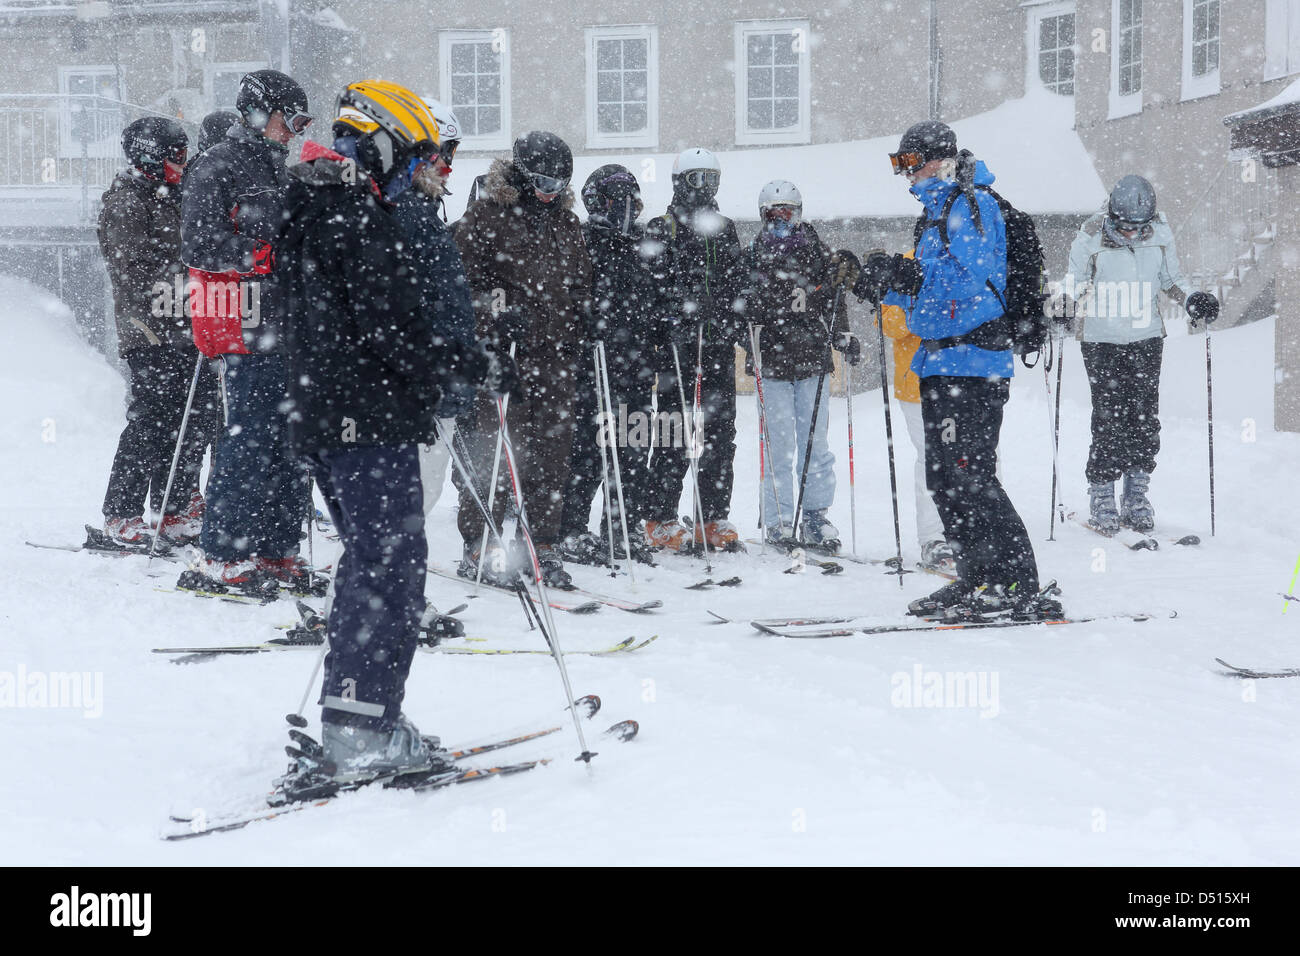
1103, 516
129, 533
947, 599
817, 532
583, 548
229, 577
497, 567
671, 535
938, 556
360, 753
183, 527
552, 565
436, 628
781, 535
721, 535
294, 575
999, 601
1135, 509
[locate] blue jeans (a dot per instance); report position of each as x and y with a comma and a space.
789, 407
257, 493
376, 502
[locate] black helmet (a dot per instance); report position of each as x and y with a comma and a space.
544, 160
149, 141
214, 128
262, 92
613, 192
923, 141
1132, 203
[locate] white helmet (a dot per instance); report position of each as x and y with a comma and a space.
779, 192
448, 125
697, 157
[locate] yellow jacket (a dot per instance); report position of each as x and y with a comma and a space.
893, 319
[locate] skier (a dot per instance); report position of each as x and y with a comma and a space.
790, 271
367, 369
699, 268
952, 291
231, 212
625, 300
214, 128
526, 263
444, 291
1118, 262
140, 239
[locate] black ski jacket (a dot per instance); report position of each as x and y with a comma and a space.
626, 302
366, 369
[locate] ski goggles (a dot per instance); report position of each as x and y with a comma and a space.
1123, 226
447, 151
905, 163
178, 156
546, 185
297, 120
700, 178
783, 213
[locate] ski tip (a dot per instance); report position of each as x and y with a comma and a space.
1189, 540
623, 731
718, 618
587, 706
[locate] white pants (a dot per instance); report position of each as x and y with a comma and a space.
433, 463
928, 526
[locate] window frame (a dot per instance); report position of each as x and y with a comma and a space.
446, 38
1210, 83
1035, 15
108, 147
233, 66
643, 139
799, 134
1127, 104
1283, 14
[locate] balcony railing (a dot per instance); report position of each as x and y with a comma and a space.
1235, 221
62, 149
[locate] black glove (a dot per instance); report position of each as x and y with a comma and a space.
1202, 308
845, 269
502, 374
882, 273
1063, 310
849, 346
511, 324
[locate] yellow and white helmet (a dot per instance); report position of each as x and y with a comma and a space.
392, 124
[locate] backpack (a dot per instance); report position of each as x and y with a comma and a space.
1022, 327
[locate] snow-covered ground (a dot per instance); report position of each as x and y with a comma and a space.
1105, 743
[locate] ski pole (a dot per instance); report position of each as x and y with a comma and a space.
1056, 425
606, 425
176, 457
549, 632
853, 489
618, 474
889, 440
697, 423
691, 453
812, 427
764, 436
491, 502
1209, 420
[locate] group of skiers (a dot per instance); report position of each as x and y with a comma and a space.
361, 343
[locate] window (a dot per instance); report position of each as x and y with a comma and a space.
1281, 38
1051, 46
476, 84
1126, 58
90, 114
622, 86
1200, 48
772, 82
221, 82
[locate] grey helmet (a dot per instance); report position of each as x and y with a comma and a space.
1132, 203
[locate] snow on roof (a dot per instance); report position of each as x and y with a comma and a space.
1029, 144
1287, 97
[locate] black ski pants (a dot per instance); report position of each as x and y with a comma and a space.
159, 383
963, 418
1125, 383
716, 444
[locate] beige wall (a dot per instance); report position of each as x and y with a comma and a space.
983, 44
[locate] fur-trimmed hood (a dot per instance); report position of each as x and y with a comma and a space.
501, 185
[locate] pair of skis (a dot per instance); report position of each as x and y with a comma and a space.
848, 626
199, 825
1133, 540
192, 655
